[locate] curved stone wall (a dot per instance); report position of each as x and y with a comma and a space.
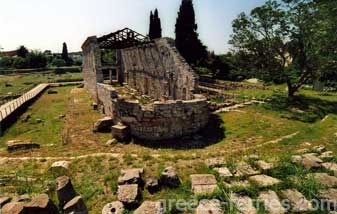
158, 120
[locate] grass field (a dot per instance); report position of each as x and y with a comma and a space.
250, 130
19, 83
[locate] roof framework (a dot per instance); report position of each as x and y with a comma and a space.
122, 39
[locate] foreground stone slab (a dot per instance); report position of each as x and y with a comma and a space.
65, 190
271, 202
244, 204
76, 205
4, 200
115, 207
152, 185
203, 183
311, 160
150, 207
60, 168
104, 124
130, 176
326, 155
319, 149
224, 172
296, 159
13, 208
330, 166
262, 165
209, 206
15, 145
120, 132
128, 194
41, 204
263, 180
244, 169
169, 178
329, 198
297, 201
324, 179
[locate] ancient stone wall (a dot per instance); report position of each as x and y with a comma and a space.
158, 120
92, 73
158, 70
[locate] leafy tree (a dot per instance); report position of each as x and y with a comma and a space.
283, 39
155, 25
187, 38
36, 59
19, 63
22, 51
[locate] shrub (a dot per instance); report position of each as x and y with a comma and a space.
58, 62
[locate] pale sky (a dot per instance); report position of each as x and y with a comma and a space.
46, 24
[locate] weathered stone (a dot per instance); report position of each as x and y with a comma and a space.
263, 180
152, 185
4, 200
103, 125
326, 155
203, 183
112, 142
297, 201
128, 194
41, 204
330, 166
319, 149
150, 207
26, 118
13, 208
65, 190
60, 168
329, 198
262, 165
15, 145
169, 178
130, 176
252, 158
324, 179
115, 207
215, 162
243, 204
75, 205
296, 159
310, 161
271, 202
244, 169
224, 172
120, 132
94, 106
21, 198
209, 206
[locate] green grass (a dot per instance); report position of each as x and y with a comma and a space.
23, 82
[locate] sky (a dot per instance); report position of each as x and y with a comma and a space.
46, 24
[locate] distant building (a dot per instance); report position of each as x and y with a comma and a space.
10, 53
76, 56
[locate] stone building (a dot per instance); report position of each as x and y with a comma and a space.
150, 89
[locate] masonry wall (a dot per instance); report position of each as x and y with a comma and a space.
156, 121
92, 73
158, 70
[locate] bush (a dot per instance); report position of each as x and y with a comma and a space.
36, 59
19, 63
58, 62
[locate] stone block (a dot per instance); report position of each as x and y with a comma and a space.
120, 132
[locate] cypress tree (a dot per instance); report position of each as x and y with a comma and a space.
187, 38
151, 33
157, 25
65, 55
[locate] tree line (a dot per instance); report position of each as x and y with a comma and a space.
35, 59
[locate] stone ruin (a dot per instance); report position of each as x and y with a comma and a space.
150, 90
